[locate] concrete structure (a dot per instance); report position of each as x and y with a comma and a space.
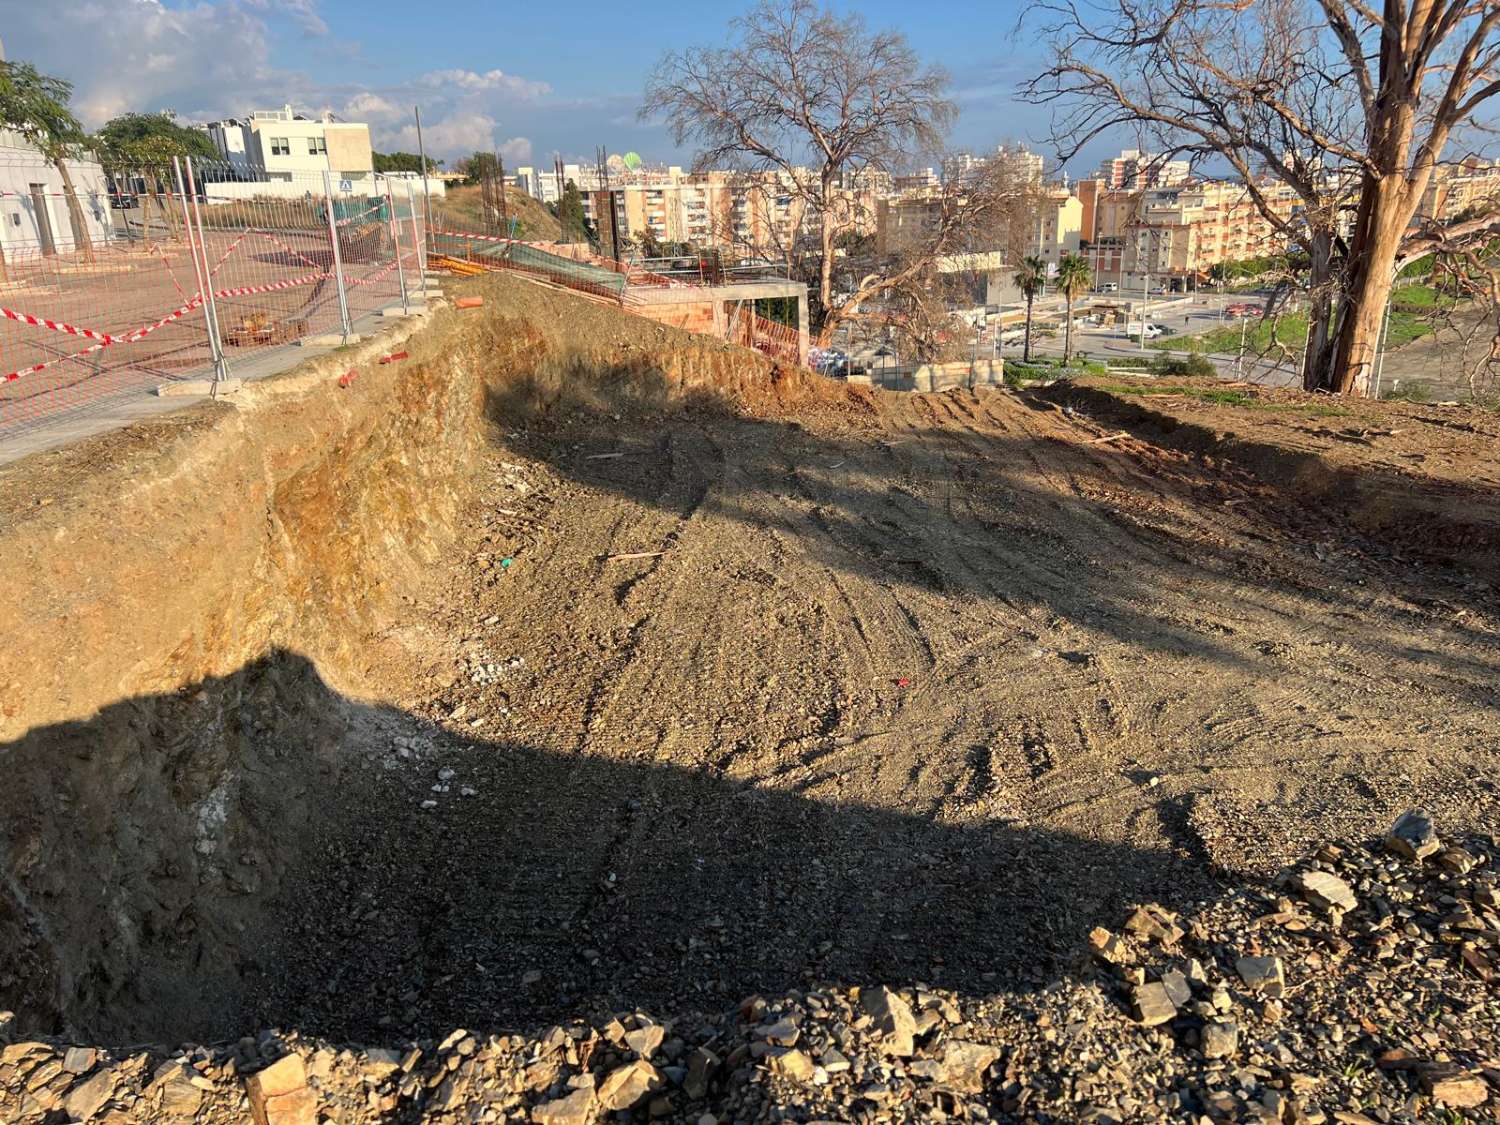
34, 208
961, 373
709, 309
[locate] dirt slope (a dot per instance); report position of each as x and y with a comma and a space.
908, 686
901, 689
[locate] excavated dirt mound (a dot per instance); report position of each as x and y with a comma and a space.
554, 679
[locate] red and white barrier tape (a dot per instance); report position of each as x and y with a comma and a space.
380, 275
130, 338
58, 326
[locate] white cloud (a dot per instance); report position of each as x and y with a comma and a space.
217, 58
517, 150
474, 82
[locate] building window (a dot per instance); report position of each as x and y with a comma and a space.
281, 146
317, 146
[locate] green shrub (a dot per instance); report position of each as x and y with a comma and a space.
1408, 392
1191, 364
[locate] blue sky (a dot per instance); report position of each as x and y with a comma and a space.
528, 78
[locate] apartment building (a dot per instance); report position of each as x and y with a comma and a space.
1178, 234
1059, 226
283, 145
1134, 170
1455, 191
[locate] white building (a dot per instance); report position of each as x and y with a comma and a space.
34, 208
281, 144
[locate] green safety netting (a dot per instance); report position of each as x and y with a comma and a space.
520, 256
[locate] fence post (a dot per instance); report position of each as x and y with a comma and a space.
416, 236
338, 259
186, 184
390, 201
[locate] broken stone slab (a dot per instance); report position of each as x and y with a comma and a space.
1220, 1039
86, 1099
624, 1086
1450, 1086
782, 1033
574, 1109
279, 1096
788, 1062
1413, 835
1327, 891
1179, 991
891, 1019
962, 1065
1265, 975
1153, 1005
645, 1040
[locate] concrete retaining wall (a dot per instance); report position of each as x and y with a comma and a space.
946, 376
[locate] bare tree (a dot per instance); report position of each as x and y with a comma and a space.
975, 222
1342, 105
807, 93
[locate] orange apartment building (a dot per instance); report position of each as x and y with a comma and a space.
1177, 234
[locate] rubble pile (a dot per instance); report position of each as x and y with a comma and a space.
1359, 986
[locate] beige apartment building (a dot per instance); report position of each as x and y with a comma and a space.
912, 216
1178, 234
1455, 191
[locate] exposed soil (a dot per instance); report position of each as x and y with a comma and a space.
902, 688
908, 688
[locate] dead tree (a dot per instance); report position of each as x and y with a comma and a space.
977, 221
1348, 104
805, 92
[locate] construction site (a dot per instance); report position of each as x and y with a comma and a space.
540, 711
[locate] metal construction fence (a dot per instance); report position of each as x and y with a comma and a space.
132, 277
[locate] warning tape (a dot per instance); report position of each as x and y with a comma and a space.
374, 277
105, 339
347, 219
58, 326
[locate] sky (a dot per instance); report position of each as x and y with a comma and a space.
527, 79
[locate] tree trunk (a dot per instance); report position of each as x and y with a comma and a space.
1026, 351
1383, 216
1068, 330
81, 243
825, 237
1317, 360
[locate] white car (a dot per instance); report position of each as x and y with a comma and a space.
1152, 331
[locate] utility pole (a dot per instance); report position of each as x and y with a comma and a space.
601, 161
504, 207
426, 191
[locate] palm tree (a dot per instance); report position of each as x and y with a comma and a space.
36, 106
1030, 278
1073, 281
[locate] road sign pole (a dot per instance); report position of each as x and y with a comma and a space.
338, 259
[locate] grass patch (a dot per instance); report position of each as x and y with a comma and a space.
1408, 322
1223, 396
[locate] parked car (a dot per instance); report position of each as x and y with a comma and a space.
1109, 287
1244, 309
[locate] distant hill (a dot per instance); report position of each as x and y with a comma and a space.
462, 209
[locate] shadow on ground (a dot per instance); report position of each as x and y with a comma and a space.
253, 852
